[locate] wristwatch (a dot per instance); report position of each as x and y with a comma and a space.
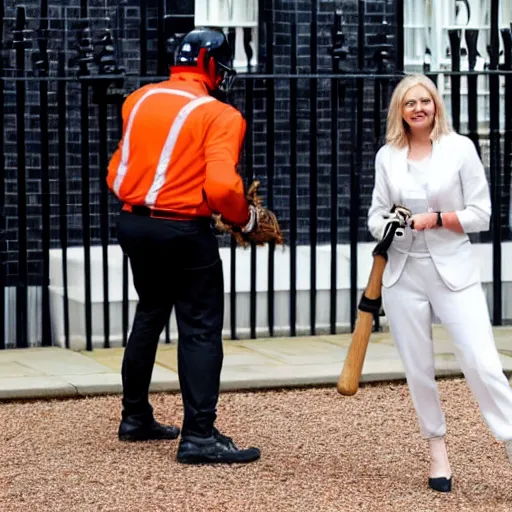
439, 219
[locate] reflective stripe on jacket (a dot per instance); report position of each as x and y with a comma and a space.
179, 151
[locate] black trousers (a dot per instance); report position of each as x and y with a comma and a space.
174, 264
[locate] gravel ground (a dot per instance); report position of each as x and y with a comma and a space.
320, 452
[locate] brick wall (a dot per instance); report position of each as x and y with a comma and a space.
315, 96
64, 18
124, 20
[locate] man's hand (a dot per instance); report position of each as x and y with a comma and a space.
262, 227
422, 221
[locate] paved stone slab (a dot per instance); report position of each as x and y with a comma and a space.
443, 346
31, 354
502, 336
35, 387
442, 342
295, 351
254, 377
162, 374
237, 354
167, 357
95, 384
506, 361
109, 383
344, 340
15, 369
503, 340
375, 351
66, 364
379, 352
444, 356
376, 370
340, 340
447, 366
439, 332
52, 361
167, 384
111, 358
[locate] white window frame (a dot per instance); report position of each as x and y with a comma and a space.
426, 24
229, 14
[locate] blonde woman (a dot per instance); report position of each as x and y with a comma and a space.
431, 270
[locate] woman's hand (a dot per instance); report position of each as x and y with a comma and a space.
421, 221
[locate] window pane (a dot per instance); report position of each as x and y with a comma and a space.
226, 13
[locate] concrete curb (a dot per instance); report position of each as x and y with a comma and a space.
110, 384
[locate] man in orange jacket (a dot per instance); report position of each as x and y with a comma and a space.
175, 166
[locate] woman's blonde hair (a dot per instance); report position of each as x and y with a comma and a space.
397, 128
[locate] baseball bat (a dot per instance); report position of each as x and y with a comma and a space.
348, 381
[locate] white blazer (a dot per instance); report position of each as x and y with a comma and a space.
456, 182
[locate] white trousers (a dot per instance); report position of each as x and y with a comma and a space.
409, 305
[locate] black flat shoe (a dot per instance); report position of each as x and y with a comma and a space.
441, 484
134, 431
215, 449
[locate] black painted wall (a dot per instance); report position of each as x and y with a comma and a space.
123, 17
314, 102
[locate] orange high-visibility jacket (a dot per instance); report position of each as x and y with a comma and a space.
179, 151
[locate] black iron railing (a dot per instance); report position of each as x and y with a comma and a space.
311, 140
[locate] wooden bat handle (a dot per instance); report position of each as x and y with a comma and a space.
374, 286
348, 382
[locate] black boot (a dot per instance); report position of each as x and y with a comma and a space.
130, 430
215, 449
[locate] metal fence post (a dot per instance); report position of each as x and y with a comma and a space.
507, 149
381, 57
339, 52
455, 37
20, 43
63, 219
109, 73
472, 79
400, 47
357, 166
495, 160
3, 245
313, 163
85, 60
293, 181
162, 68
249, 173
42, 66
270, 162
143, 34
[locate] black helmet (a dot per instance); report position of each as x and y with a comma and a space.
208, 50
